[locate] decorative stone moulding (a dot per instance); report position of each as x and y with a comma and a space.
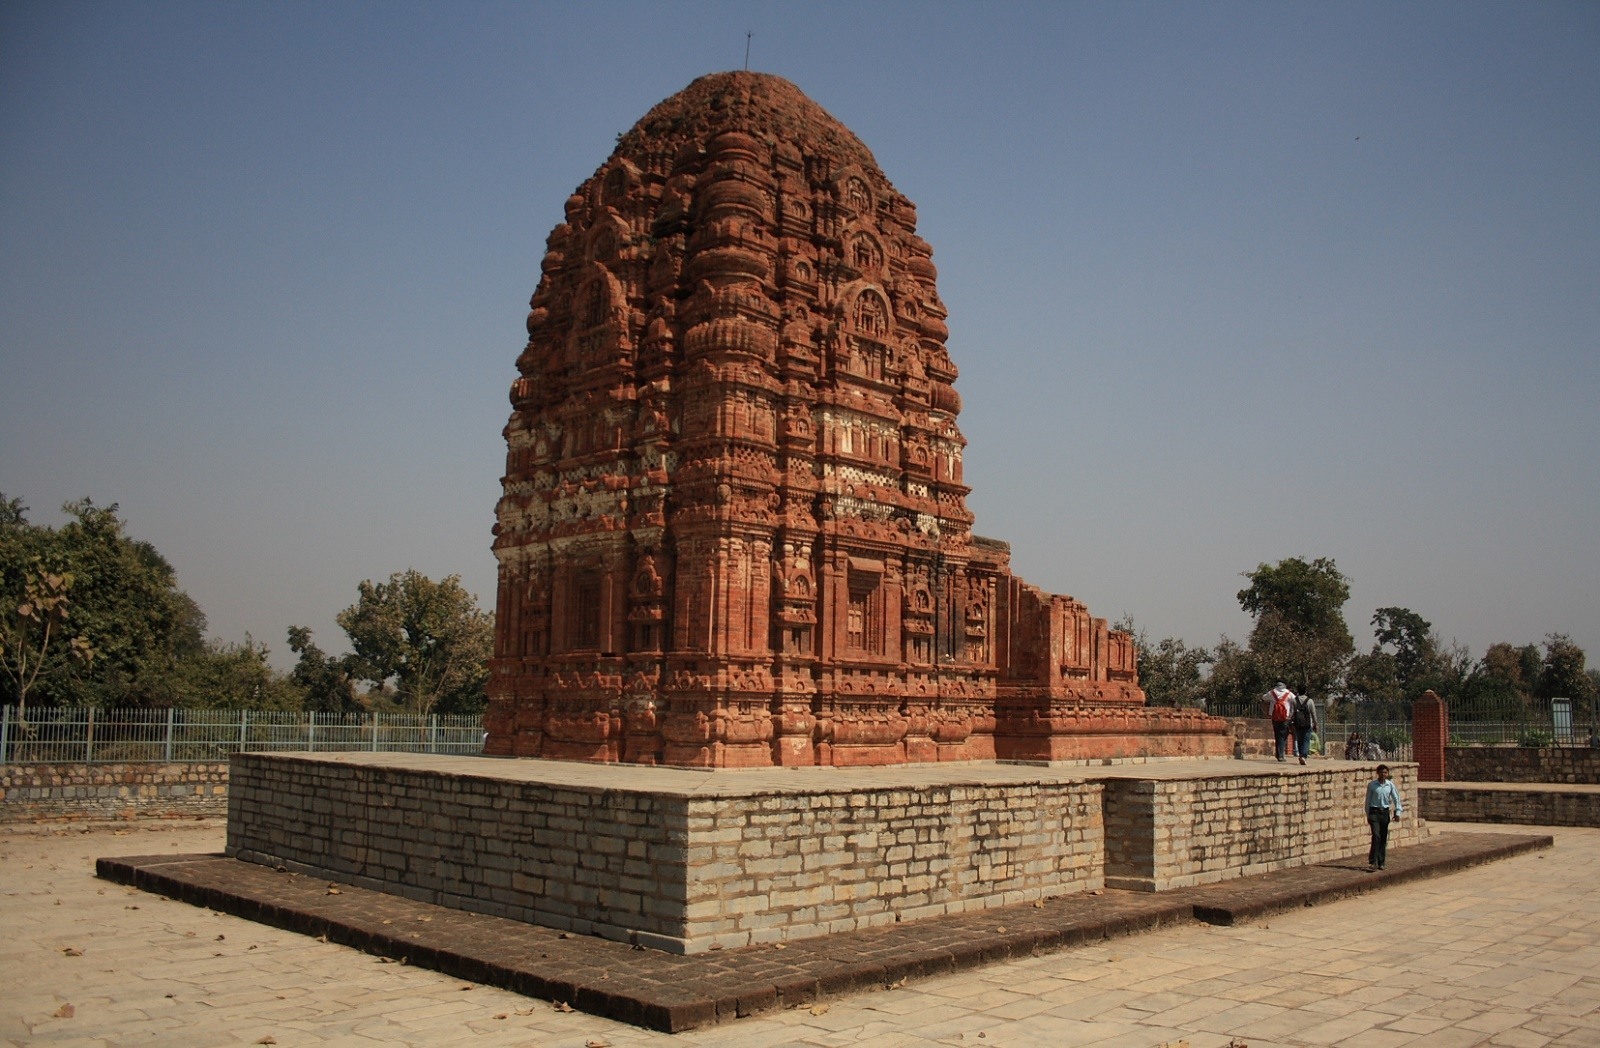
733, 529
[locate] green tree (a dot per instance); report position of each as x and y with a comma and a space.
1562, 674
1236, 681
1500, 687
324, 680
30, 625
1409, 635
1406, 660
1300, 634
236, 677
428, 638
1169, 671
129, 607
109, 625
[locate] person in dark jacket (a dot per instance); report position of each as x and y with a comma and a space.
1303, 721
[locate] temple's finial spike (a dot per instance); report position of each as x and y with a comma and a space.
748, 34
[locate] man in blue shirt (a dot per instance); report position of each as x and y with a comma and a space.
1383, 803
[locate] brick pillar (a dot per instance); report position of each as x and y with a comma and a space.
1430, 730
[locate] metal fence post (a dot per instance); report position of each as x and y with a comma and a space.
311, 733
374, 731
433, 733
244, 729
5, 734
88, 740
172, 713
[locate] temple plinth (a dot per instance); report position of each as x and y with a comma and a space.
733, 530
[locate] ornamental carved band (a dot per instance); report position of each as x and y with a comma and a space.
733, 530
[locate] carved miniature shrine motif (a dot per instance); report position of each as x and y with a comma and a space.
733, 529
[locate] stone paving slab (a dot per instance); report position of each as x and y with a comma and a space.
674, 993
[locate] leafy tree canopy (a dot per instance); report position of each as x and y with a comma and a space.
122, 605
1170, 672
1300, 634
121, 631
429, 639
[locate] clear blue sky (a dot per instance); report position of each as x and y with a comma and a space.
1228, 282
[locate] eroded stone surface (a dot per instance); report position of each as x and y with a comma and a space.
733, 531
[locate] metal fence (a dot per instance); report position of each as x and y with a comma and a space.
89, 736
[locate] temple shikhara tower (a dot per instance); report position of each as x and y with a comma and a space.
733, 531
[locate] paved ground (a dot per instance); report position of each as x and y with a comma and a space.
1502, 954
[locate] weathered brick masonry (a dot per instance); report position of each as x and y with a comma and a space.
1163, 834
1554, 764
687, 860
32, 792
1518, 803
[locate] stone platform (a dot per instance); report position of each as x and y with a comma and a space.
1517, 803
677, 993
688, 860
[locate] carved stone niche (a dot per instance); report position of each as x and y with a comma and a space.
733, 529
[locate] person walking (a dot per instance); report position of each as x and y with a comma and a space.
1383, 805
1303, 720
1278, 702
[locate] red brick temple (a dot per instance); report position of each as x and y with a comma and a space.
734, 531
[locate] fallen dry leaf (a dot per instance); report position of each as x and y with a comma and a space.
563, 1006
502, 1015
66, 1011
72, 951
334, 891
1038, 904
268, 1039
597, 1042
819, 1009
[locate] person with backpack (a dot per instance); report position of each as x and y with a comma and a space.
1278, 702
1303, 719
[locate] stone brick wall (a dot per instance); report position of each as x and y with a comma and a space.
1514, 803
665, 868
33, 792
1163, 834
1554, 764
